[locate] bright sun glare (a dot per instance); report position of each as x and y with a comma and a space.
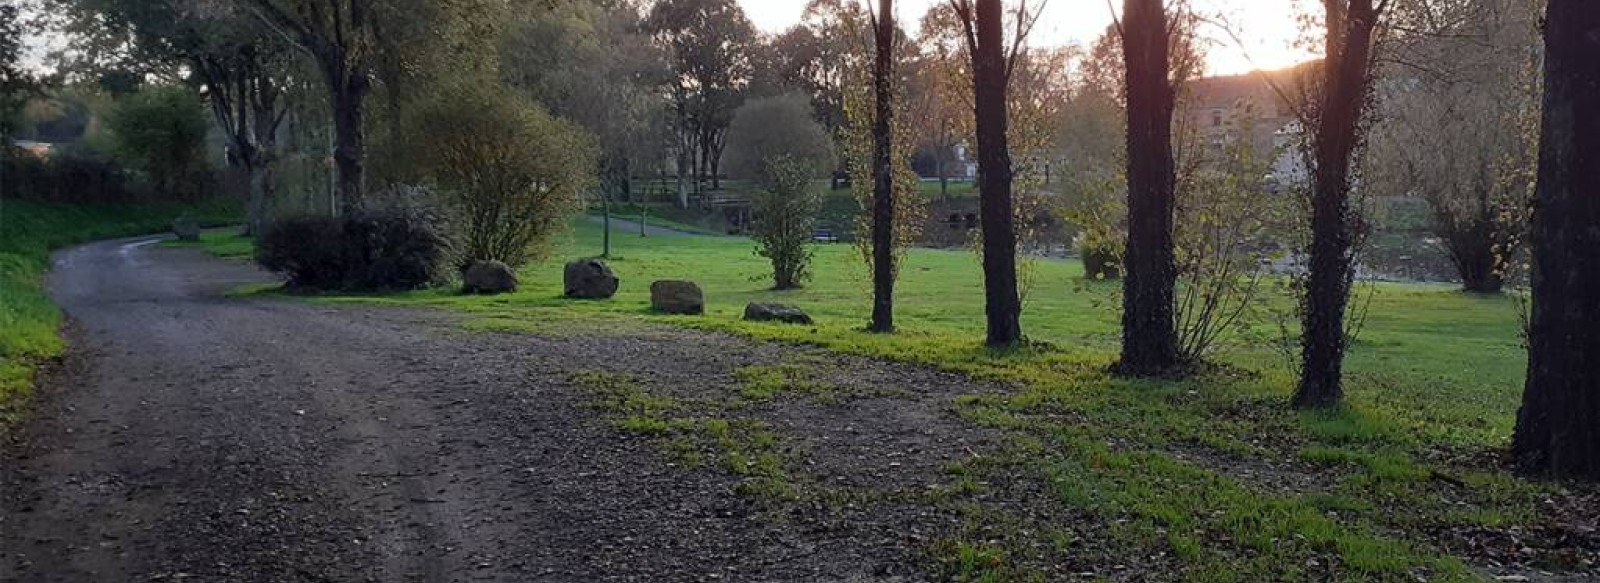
1268, 28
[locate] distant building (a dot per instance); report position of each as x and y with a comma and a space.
1254, 108
966, 168
1250, 107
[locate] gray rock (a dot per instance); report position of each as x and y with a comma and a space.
488, 278
590, 279
187, 229
677, 297
776, 313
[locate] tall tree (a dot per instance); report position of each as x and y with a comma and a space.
708, 42
590, 62
236, 63
883, 208
1460, 130
340, 37
937, 122
246, 93
16, 82
819, 57
941, 90
985, 32
1558, 428
1149, 335
1337, 133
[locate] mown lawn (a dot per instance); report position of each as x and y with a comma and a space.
29, 231
1215, 475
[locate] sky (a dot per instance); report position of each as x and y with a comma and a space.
1268, 28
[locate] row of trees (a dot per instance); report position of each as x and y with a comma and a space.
1559, 426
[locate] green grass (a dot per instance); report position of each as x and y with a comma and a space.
227, 244
1433, 382
696, 434
29, 231
931, 188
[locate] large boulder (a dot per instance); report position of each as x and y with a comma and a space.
488, 278
187, 229
776, 313
590, 279
677, 297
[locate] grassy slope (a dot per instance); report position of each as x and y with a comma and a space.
1186, 470
29, 231
227, 244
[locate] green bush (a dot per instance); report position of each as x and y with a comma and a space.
161, 133
68, 176
511, 174
308, 250
776, 143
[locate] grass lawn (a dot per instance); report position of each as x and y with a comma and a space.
1215, 475
29, 231
224, 243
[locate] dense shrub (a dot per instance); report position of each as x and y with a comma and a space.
68, 176
308, 250
390, 248
510, 172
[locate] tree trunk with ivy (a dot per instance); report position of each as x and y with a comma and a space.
1149, 335
350, 143
1335, 142
1558, 428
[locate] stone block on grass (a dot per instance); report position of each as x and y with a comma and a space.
677, 297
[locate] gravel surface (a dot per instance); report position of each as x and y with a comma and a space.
195, 436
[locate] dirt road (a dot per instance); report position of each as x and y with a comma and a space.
196, 436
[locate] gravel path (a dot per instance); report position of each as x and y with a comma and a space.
195, 436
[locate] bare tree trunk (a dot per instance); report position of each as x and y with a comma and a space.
256, 208
1003, 303
1337, 137
702, 160
685, 141
683, 170
267, 114
1558, 428
942, 159
605, 208
1149, 334
350, 144
883, 268
718, 141
1475, 250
